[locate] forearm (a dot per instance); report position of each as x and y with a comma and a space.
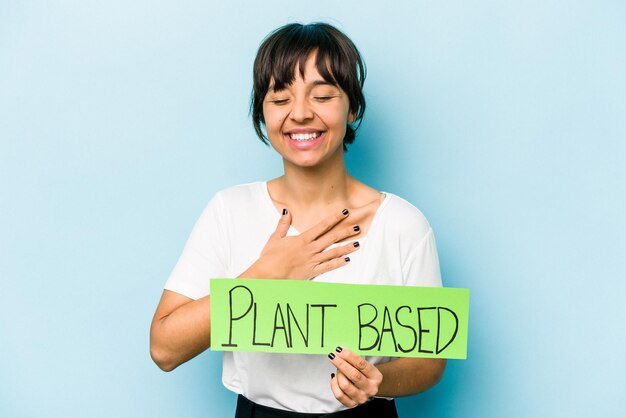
182, 334
181, 327
407, 376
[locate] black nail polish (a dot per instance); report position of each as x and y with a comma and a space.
345, 211
347, 259
331, 356
284, 212
332, 375
339, 349
356, 228
356, 244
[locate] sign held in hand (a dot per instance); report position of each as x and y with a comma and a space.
293, 316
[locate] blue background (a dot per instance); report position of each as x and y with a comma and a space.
504, 122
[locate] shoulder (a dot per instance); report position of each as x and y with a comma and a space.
241, 193
404, 218
234, 198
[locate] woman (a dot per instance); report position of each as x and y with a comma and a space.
307, 101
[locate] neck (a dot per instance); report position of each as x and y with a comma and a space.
316, 187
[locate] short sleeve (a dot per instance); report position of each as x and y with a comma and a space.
205, 255
421, 268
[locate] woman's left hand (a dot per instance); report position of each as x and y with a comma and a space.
356, 380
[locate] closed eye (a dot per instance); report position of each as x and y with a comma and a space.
280, 102
324, 98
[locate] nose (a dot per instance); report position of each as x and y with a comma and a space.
301, 110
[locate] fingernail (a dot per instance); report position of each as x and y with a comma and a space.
356, 244
339, 349
356, 228
331, 356
345, 211
332, 375
347, 259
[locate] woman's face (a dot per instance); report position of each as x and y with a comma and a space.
306, 121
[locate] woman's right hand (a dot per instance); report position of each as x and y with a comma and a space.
304, 256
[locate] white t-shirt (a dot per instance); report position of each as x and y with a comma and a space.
399, 249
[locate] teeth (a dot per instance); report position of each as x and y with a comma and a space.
304, 137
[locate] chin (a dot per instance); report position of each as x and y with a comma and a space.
305, 163
311, 159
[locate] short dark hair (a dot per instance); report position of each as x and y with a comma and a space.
338, 62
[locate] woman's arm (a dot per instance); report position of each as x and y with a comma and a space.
181, 327
407, 376
180, 330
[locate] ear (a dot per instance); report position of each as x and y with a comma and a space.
351, 117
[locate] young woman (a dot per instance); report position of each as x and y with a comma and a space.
315, 222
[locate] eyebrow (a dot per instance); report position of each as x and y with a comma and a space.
315, 83
324, 83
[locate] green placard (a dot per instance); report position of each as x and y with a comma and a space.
294, 316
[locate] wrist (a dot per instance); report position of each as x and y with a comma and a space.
256, 271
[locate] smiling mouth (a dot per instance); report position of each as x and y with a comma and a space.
305, 136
